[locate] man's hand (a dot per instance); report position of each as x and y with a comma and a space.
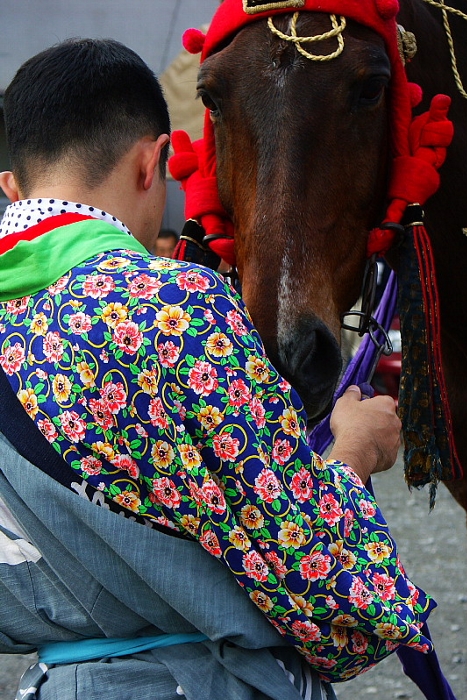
366, 432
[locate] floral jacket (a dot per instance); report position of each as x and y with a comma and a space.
147, 375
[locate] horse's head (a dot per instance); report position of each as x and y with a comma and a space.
301, 160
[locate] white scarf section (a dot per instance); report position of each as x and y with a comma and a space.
21, 215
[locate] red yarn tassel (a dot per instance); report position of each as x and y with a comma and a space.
441, 410
430, 454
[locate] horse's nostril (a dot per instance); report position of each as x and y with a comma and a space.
310, 359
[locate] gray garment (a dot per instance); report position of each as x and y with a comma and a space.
92, 573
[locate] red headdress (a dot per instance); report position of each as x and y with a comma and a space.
414, 176
379, 15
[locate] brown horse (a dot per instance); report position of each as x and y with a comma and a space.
302, 166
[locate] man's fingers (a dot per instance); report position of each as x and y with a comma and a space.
354, 392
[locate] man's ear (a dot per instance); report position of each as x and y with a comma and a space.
9, 186
151, 158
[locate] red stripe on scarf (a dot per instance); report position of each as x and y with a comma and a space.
48, 224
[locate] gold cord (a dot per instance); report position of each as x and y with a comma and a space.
445, 9
336, 31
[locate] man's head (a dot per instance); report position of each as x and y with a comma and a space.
85, 100
166, 243
86, 121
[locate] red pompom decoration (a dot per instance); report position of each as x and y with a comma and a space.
415, 94
193, 40
387, 9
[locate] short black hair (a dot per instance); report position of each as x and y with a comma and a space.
168, 233
89, 99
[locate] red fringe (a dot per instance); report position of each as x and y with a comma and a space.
433, 332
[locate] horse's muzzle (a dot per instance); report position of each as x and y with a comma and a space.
310, 359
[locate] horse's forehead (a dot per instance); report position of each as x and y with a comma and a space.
232, 15
243, 53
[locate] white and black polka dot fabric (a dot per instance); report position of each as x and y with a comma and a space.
19, 216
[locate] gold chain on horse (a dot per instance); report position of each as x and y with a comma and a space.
445, 9
336, 31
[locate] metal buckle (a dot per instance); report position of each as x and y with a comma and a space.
373, 328
368, 296
366, 322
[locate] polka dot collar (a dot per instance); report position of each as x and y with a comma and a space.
19, 216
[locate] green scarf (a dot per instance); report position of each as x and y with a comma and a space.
33, 265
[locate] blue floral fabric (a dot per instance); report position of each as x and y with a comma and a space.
147, 375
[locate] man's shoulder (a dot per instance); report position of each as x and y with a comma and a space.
127, 264
135, 276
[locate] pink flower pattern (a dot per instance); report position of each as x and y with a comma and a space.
251, 471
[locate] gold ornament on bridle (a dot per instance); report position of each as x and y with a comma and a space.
336, 31
406, 43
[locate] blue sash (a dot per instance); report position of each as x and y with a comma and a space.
102, 647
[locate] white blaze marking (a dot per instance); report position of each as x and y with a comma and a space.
285, 306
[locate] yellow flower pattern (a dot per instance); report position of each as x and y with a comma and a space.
178, 416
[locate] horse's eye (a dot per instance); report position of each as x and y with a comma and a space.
208, 102
372, 91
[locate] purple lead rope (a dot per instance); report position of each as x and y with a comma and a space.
359, 368
423, 669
